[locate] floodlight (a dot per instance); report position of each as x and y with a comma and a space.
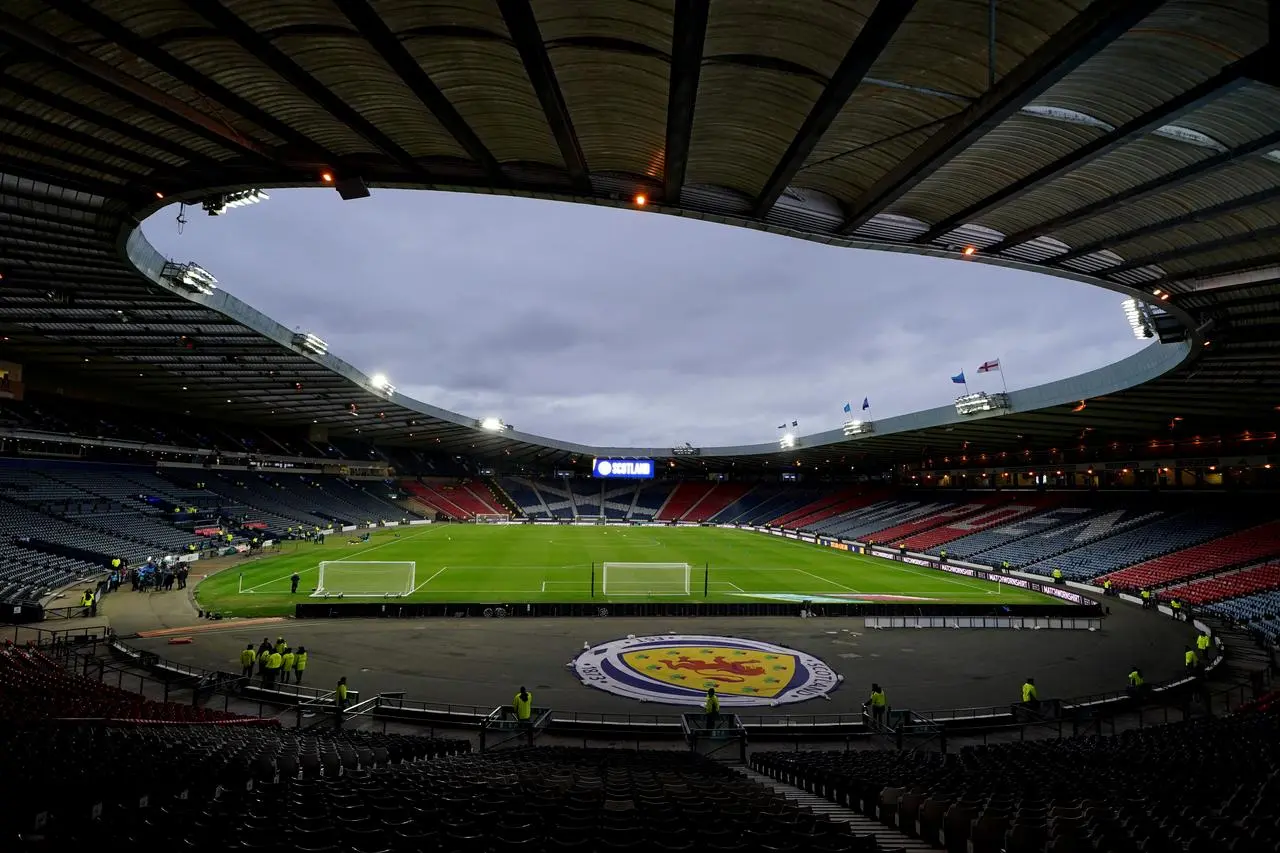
219, 204
858, 428
492, 424
1139, 316
787, 442
981, 401
311, 343
189, 276
380, 383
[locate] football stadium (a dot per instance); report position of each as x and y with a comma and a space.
257, 598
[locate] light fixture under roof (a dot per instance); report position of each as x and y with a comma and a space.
190, 277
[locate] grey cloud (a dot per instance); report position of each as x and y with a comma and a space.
624, 327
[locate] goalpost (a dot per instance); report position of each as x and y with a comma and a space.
492, 517
646, 579
365, 579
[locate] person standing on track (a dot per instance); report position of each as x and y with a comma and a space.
712, 708
299, 663
247, 659
878, 705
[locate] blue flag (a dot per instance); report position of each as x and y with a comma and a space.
866, 403
847, 408
958, 378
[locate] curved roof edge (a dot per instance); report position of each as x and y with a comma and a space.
1144, 366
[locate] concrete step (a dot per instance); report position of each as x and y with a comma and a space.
890, 840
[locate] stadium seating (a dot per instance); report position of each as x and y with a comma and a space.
453, 498
1205, 785
720, 496
828, 507
1005, 534
618, 500
683, 498
920, 524
933, 541
746, 504
1088, 526
233, 785
1139, 543
1230, 585
649, 499
35, 687
1238, 549
1248, 608
882, 515
782, 503
526, 497
558, 498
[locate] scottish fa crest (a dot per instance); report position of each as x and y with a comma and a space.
678, 669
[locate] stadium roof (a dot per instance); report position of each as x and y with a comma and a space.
1129, 143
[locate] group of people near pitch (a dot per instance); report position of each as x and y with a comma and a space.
876, 708
275, 662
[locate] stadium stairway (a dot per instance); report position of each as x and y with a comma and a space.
887, 839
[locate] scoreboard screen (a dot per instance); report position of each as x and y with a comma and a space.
626, 469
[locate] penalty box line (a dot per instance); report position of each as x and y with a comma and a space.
316, 568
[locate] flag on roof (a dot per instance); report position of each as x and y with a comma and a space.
795, 423
958, 378
848, 409
988, 366
866, 403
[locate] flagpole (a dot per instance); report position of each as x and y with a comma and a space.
1003, 383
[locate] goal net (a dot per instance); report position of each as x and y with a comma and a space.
364, 579
646, 579
492, 517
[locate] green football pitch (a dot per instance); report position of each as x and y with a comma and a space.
513, 564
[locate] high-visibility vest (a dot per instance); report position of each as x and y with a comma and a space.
247, 657
287, 660
712, 705
523, 706
264, 656
1190, 658
1175, 604
1029, 692
342, 692
878, 699
274, 661
1135, 679
300, 661
1146, 594
1202, 642
280, 646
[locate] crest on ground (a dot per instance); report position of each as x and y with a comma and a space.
677, 670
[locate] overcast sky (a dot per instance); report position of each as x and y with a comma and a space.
619, 327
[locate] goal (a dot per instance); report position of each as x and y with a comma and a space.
646, 579
364, 579
492, 517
